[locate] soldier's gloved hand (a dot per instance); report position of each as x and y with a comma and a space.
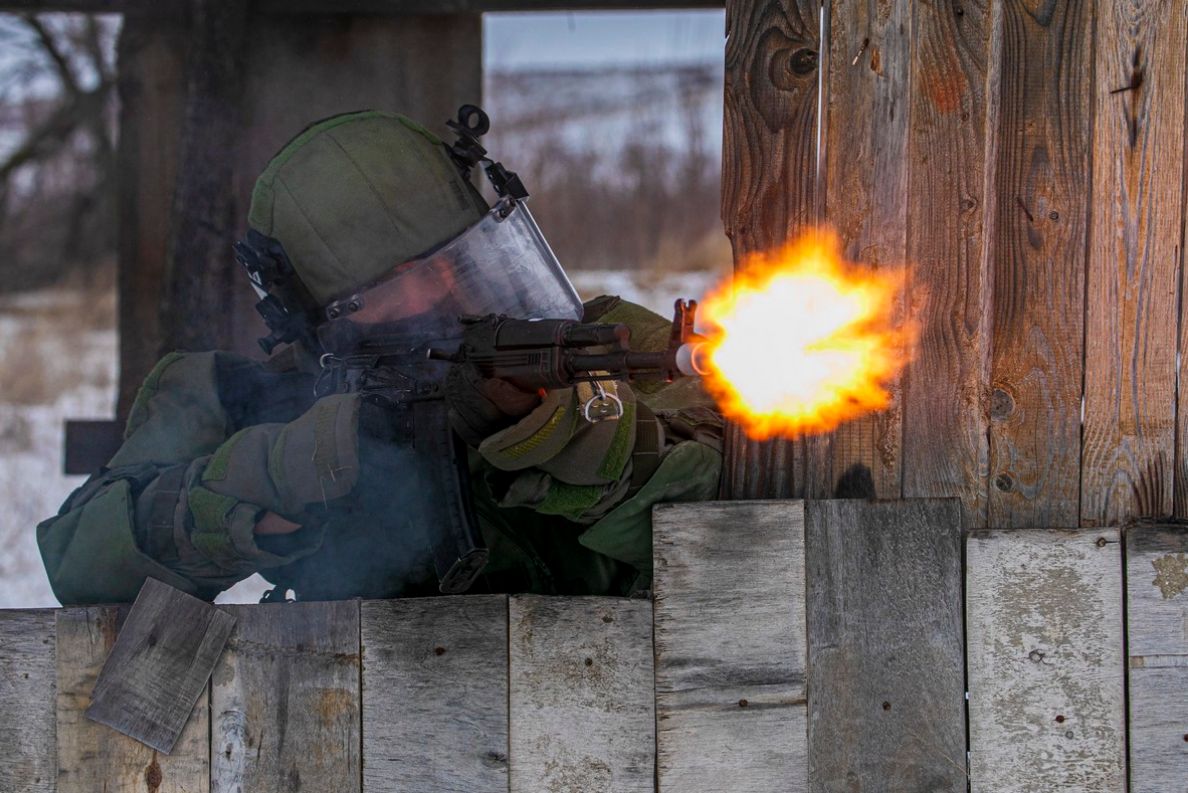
481, 406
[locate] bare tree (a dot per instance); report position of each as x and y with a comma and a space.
57, 172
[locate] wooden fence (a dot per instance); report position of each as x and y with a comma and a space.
790, 646
1027, 159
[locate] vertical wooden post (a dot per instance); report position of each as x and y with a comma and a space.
945, 393
1130, 353
866, 180
1045, 661
1041, 73
151, 56
769, 165
1157, 633
886, 687
200, 272
28, 686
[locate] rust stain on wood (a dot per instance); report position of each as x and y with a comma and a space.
334, 703
153, 775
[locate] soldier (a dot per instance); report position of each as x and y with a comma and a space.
373, 230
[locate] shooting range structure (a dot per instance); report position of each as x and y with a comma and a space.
790, 646
1028, 159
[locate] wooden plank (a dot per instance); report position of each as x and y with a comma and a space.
769, 182
1041, 73
1130, 356
1157, 633
945, 396
1045, 665
886, 649
866, 156
285, 700
160, 665
27, 692
152, 89
580, 691
435, 694
730, 646
93, 757
202, 281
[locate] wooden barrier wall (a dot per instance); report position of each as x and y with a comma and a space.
790, 646
1027, 159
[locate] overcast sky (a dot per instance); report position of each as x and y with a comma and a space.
587, 38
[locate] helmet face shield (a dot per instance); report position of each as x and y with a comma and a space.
500, 265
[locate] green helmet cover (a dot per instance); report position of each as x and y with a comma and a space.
356, 194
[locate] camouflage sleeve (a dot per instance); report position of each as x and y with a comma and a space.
557, 462
179, 501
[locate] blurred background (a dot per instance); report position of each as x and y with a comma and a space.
613, 120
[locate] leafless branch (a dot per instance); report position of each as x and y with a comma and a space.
51, 48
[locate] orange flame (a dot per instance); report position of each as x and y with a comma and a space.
803, 340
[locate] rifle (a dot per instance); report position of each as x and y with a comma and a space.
532, 354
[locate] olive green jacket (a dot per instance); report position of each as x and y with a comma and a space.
214, 440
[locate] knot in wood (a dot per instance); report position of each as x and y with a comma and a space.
1002, 404
1004, 482
803, 61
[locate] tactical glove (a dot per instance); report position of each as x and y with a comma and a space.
481, 406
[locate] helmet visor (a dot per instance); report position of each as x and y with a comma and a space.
500, 265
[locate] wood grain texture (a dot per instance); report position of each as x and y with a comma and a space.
1045, 661
866, 167
27, 692
1041, 74
886, 649
580, 689
1138, 172
946, 395
435, 709
1157, 632
160, 665
769, 183
93, 757
152, 88
730, 646
202, 281
285, 700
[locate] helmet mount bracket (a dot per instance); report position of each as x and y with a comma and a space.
285, 305
470, 125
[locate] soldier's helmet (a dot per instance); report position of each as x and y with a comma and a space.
367, 225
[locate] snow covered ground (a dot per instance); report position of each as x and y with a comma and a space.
74, 366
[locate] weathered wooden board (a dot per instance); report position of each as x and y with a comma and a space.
152, 88
27, 693
886, 687
93, 757
1045, 661
730, 646
285, 700
1041, 75
1157, 632
160, 665
769, 182
202, 281
435, 708
945, 399
866, 167
1138, 174
580, 691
